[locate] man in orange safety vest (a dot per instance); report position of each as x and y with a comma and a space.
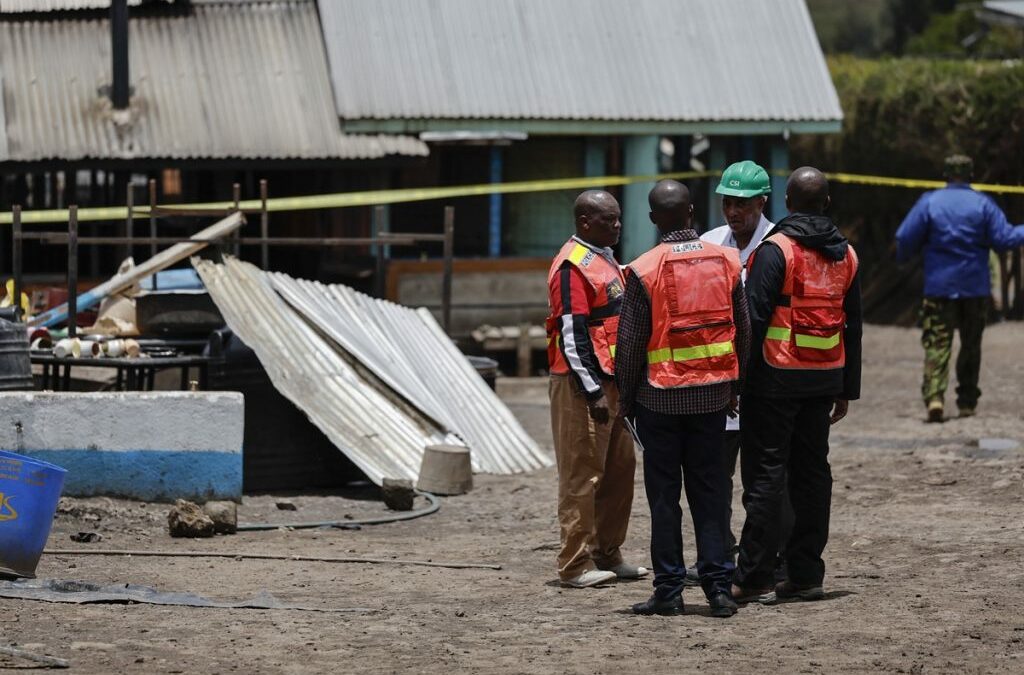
682, 346
805, 313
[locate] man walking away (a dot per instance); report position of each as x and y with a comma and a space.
683, 339
956, 227
805, 315
595, 455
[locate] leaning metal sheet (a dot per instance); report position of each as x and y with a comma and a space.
383, 439
412, 355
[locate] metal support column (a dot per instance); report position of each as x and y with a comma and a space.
16, 242
380, 227
72, 270
497, 176
446, 281
638, 233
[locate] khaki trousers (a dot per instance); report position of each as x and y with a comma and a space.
596, 464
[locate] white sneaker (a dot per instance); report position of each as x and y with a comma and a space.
590, 578
627, 571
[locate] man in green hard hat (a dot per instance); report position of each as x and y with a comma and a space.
744, 188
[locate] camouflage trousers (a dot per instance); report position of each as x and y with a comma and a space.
939, 318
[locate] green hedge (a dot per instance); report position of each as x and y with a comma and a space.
902, 117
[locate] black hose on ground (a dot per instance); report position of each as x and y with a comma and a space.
433, 507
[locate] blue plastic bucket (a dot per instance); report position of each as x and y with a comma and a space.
29, 492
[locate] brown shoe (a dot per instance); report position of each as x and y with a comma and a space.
935, 411
787, 590
743, 596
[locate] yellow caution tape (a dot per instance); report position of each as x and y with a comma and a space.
378, 197
919, 183
369, 198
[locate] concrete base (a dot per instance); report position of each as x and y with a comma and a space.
153, 446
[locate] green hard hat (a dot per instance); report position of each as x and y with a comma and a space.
744, 179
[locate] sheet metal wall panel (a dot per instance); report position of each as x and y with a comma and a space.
643, 60
231, 81
382, 439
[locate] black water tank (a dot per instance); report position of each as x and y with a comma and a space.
15, 366
486, 368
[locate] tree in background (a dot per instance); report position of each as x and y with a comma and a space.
911, 17
934, 28
901, 117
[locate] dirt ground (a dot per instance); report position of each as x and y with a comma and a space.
925, 567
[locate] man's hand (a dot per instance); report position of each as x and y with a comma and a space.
734, 406
599, 410
841, 407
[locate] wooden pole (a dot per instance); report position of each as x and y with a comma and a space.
129, 223
380, 249
264, 226
16, 257
236, 195
152, 220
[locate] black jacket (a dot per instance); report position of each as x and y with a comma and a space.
764, 285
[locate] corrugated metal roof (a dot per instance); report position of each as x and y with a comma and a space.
1013, 8
305, 337
19, 6
229, 81
411, 353
649, 60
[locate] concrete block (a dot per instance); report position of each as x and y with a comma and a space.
153, 446
398, 494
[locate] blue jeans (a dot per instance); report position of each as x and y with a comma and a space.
686, 450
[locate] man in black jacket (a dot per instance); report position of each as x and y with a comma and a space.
805, 367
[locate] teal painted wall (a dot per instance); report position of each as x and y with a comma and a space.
538, 223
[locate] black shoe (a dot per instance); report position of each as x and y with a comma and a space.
787, 590
691, 579
722, 605
670, 607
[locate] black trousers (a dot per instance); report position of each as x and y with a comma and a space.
686, 450
731, 451
786, 435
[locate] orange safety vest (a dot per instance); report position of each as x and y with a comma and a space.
693, 335
608, 284
806, 330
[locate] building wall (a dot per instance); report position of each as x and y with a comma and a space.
538, 223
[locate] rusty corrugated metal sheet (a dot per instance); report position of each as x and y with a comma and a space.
229, 81
641, 60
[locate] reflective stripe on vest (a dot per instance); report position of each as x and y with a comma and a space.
806, 328
689, 353
608, 284
690, 286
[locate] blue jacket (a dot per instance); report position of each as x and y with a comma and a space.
956, 226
